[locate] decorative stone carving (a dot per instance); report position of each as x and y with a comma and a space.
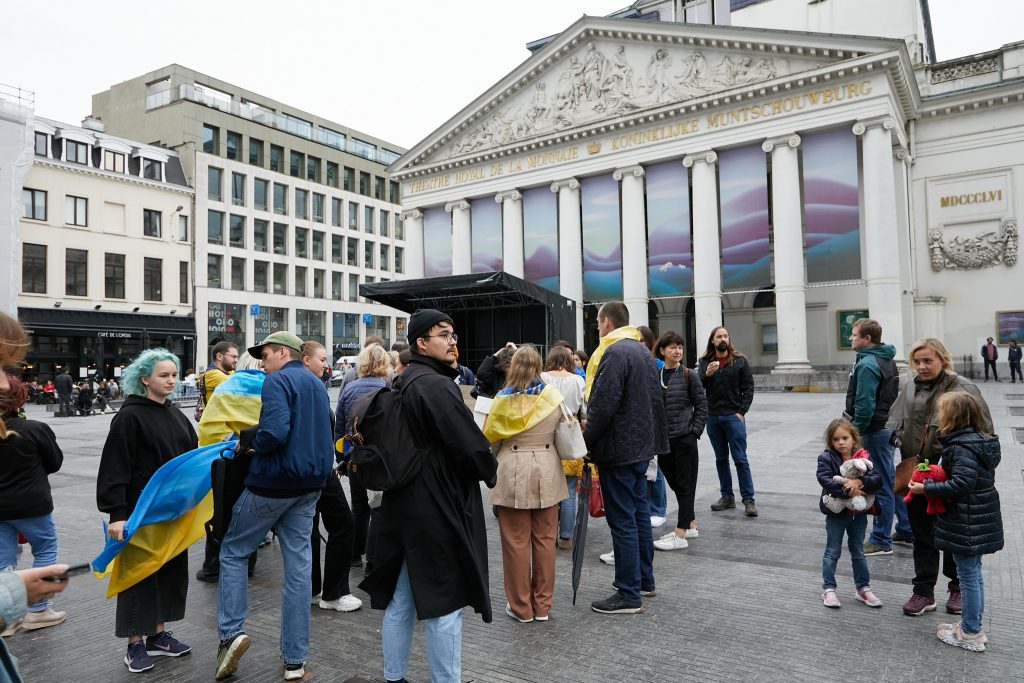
984, 250
965, 69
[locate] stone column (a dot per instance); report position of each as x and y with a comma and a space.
462, 255
570, 248
511, 231
881, 230
413, 243
790, 284
634, 243
707, 263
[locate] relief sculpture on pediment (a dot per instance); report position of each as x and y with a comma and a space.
594, 84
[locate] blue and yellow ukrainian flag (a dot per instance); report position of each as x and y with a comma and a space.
234, 405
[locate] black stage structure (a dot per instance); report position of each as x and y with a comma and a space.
489, 309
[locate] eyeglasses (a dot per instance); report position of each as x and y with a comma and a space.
449, 337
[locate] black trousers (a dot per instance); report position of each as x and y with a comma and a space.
333, 509
67, 406
1015, 369
992, 363
926, 557
361, 518
680, 468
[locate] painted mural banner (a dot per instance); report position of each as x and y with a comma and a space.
540, 237
1010, 327
831, 208
437, 242
844, 326
602, 239
485, 218
743, 194
669, 244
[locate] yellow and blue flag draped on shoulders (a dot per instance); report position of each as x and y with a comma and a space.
618, 334
168, 518
514, 412
234, 405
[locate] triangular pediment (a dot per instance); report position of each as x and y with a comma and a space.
602, 71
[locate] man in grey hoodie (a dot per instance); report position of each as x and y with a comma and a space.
873, 386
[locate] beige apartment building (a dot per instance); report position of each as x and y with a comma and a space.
293, 211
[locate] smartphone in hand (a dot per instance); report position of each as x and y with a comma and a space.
73, 570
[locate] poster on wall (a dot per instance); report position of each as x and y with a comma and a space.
485, 217
743, 191
831, 208
669, 246
1010, 327
437, 242
844, 326
226, 322
602, 241
540, 237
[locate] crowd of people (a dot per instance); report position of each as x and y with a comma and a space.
641, 411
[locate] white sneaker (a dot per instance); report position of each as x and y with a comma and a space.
315, 600
692, 533
609, 558
346, 603
671, 542
657, 521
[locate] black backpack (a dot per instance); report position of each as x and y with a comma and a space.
227, 480
384, 454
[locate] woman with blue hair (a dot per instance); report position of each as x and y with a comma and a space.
147, 432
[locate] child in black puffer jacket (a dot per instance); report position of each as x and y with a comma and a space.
972, 526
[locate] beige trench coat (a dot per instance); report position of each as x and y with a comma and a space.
529, 471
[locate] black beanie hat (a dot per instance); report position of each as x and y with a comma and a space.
423, 319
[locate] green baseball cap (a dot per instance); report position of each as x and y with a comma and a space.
283, 338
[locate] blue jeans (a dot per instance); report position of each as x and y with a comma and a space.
972, 591
889, 504
854, 527
629, 518
728, 433
251, 519
656, 496
443, 636
567, 509
41, 533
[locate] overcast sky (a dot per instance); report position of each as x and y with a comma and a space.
395, 69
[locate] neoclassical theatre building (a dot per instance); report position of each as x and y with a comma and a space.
780, 182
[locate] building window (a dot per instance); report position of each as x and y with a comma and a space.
399, 260
364, 183
183, 228
76, 152
318, 283
399, 228
112, 161
336, 212
277, 158
300, 281
152, 279
349, 179
236, 231
259, 193
76, 266
113, 276
152, 170
33, 268
367, 150
353, 215
318, 207
297, 126
238, 273
255, 152
387, 157
385, 218
259, 276
385, 254
318, 245
394, 193
309, 325
215, 227
301, 204
332, 174
313, 169
280, 278
281, 239
337, 249
238, 189
332, 138
378, 187
214, 183
183, 283
211, 139
353, 287
352, 253
368, 219
76, 210
295, 164
214, 265
368, 254
151, 220
43, 144
34, 204
301, 242
259, 235
234, 146
281, 199
336, 293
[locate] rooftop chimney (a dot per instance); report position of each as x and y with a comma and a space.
91, 122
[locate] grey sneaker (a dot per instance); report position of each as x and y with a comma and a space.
872, 549
749, 509
228, 655
724, 503
975, 642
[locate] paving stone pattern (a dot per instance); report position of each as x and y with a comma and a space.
740, 604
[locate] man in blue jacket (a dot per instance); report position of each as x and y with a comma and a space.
873, 386
293, 452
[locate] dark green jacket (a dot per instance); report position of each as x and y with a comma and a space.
874, 384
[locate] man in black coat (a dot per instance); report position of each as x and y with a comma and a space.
430, 557
64, 386
626, 427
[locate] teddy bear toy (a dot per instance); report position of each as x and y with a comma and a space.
922, 473
851, 469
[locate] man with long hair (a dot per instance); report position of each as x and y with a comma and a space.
729, 384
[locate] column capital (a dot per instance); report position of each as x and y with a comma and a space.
792, 140
568, 183
708, 157
885, 122
514, 195
415, 214
636, 171
903, 154
461, 205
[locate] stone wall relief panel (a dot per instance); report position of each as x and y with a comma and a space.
974, 250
